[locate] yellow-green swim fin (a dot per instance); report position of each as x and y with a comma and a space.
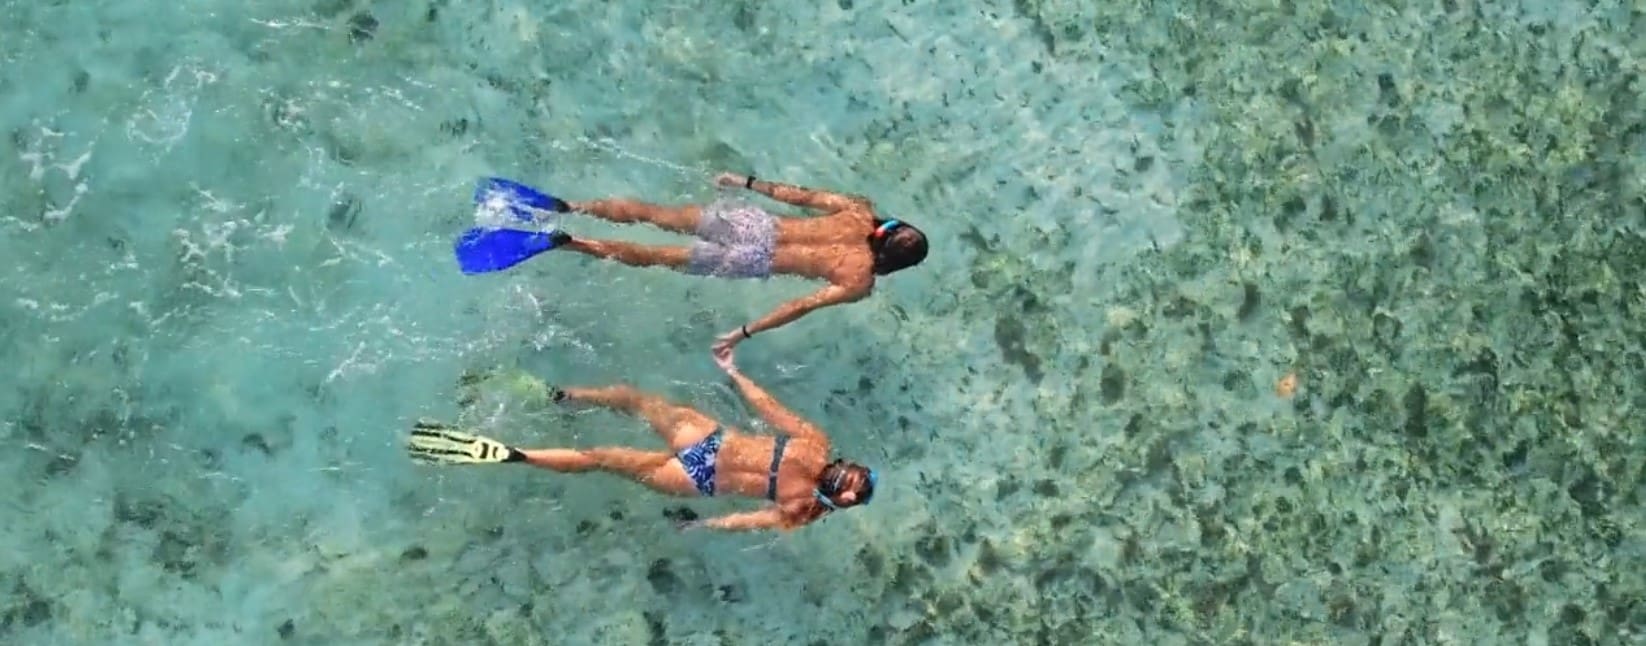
434, 442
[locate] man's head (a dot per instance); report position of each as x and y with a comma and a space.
846, 484
896, 246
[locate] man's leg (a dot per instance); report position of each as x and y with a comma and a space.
629, 253
654, 469
679, 219
680, 426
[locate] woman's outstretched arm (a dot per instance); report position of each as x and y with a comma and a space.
773, 411
770, 518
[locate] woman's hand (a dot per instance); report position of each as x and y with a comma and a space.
723, 357
725, 342
730, 180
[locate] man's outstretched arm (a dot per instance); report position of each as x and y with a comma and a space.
797, 195
791, 311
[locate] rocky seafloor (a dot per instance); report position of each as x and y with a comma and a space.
1142, 218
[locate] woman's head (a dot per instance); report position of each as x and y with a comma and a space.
846, 484
896, 246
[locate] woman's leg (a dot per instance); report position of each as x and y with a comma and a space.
654, 469
629, 253
680, 426
679, 219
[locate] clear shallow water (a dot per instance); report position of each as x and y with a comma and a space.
230, 290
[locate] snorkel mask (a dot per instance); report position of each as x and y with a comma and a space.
884, 228
834, 485
877, 243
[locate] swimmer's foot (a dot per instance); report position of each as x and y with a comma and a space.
481, 250
508, 388
434, 442
468, 386
470, 378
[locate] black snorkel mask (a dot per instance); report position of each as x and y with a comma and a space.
834, 488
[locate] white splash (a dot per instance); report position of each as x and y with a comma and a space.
58, 215
168, 110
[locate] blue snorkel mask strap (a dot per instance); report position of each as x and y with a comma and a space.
885, 227
877, 240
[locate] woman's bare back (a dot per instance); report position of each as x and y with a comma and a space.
745, 461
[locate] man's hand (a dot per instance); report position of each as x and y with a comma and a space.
730, 180
727, 341
723, 353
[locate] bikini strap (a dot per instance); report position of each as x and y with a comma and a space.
771, 474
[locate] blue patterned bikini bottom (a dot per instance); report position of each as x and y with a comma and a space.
698, 460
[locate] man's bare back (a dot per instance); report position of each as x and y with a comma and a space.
829, 248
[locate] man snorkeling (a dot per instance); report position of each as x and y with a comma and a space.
791, 470
847, 245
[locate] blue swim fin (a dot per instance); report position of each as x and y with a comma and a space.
481, 251
522, 201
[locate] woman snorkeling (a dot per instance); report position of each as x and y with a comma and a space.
791, 470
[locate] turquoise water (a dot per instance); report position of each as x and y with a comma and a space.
229, 290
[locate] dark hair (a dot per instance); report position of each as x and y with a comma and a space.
902, 247
837, 476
